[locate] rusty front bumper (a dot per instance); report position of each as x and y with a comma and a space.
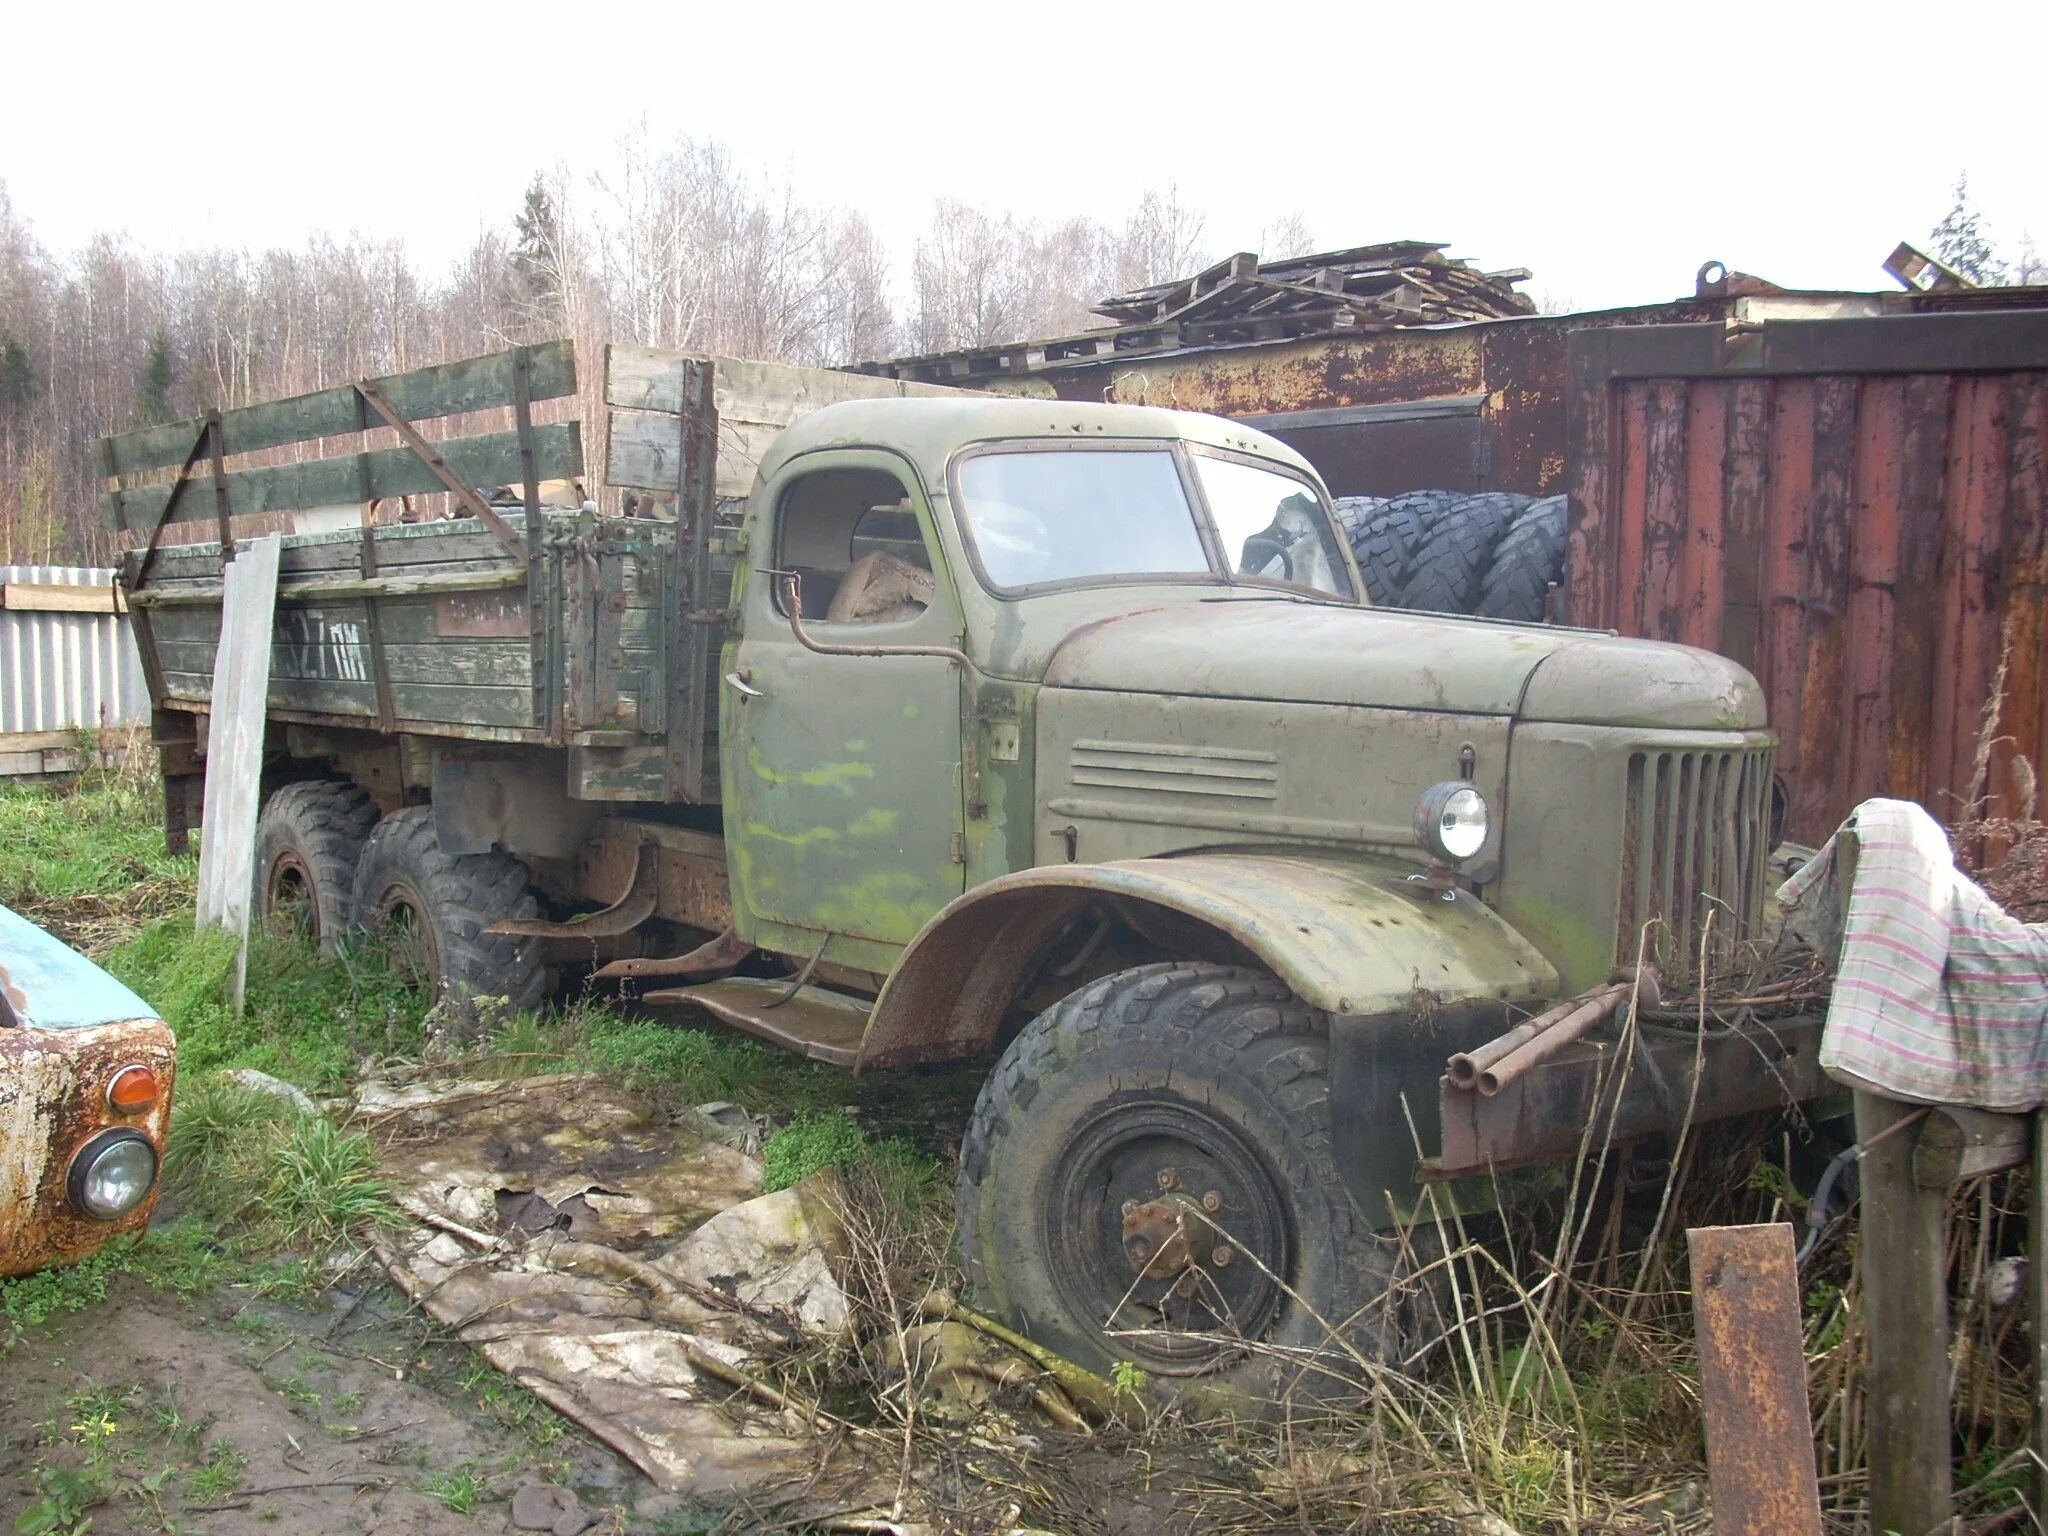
1587, 1089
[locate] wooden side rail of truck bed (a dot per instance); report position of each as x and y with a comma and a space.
507, 608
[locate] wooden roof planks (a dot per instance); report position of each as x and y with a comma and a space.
1365, 288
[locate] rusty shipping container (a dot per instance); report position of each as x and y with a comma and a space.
1854, 509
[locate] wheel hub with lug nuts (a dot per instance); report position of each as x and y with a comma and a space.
1168, 1231
1170, 1239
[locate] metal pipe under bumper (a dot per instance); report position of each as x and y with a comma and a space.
1598, 1006
1465, 1067
1490, 1066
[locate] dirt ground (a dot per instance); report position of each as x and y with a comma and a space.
236, 1414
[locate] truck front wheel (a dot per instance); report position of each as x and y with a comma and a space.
432, 908
308, 842
1147, 1179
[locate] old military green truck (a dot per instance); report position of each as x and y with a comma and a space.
901, 726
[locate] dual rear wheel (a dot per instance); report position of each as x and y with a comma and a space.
326, 866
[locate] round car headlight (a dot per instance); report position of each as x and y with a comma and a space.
112, 1174
1450, 821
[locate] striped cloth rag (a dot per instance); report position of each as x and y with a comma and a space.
1940, 997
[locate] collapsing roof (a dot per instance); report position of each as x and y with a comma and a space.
1366, 288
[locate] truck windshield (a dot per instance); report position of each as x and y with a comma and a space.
1271, 525
1040, 517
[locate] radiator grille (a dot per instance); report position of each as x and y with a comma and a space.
1696, 828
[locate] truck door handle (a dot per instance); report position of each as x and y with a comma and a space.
743, 686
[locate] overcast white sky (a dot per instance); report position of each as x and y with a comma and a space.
1610, 148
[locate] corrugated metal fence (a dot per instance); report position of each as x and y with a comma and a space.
59, 670
1853, 509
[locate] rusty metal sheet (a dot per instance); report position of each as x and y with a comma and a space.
1745, 1290
1854, 510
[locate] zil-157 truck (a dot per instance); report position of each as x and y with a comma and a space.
897, 725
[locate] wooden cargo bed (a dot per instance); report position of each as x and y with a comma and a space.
597, 634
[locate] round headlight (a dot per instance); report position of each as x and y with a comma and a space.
112, 1174
1450, 821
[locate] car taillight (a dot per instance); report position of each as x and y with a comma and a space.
132, 1090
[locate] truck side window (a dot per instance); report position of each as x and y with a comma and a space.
853, 537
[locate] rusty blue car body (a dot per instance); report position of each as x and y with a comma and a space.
85, 1086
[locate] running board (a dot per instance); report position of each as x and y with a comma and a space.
823, 1025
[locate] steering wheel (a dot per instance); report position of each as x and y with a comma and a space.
1260, 551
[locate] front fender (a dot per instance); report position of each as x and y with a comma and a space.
1349, 936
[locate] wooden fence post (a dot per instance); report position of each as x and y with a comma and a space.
2037, 1301
1905, 1293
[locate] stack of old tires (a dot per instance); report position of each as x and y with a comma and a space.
1493, 554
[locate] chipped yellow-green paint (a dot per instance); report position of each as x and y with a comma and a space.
806, 837
883, 903
854, 818
875, 821
823, 775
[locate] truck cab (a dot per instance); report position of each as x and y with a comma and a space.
1055, 736
1107, 732
1110, 634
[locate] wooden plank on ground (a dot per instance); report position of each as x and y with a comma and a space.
488, 460
234, 745
1745, 1301
446, 389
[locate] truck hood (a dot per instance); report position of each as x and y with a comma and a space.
1381, 658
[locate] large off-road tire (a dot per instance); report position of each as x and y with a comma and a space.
308, 842
1385, 540
1354, 512
1452, 560
1145, 1092
1528, 559
431, 908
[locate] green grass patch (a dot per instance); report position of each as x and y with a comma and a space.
305, 1019
458, 1490
674, 1064
99, 836
247, 1161
815, 1140
808, 1143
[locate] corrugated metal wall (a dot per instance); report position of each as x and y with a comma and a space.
59, 671
1858, 517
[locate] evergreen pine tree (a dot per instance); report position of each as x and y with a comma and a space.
17, 378
153, 385
1959, 241
537, 236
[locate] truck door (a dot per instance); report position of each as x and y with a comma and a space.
842, 773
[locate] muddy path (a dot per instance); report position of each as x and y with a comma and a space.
235, 1413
